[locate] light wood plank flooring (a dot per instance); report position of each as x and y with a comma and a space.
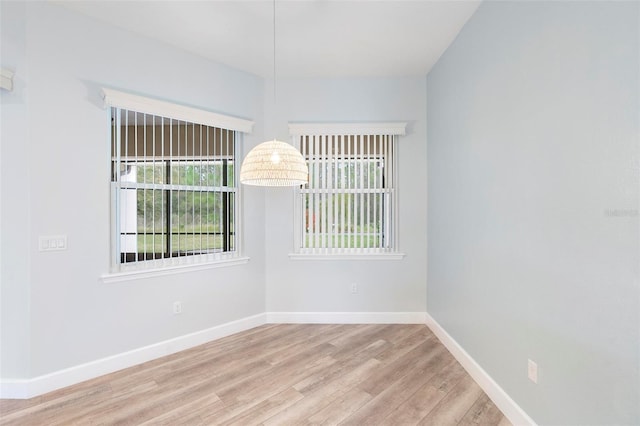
281, 374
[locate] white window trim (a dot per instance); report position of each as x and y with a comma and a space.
115, 98
347, 129
347, 256
116, 277
118, 99
6, 79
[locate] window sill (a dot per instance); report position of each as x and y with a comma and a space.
116, 277
346, 256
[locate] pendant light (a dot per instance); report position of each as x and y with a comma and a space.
274, 163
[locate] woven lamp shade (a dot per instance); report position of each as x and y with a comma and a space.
274, 163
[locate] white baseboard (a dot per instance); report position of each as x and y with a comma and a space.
29, 388
508, 406
24, 389
14, 389
346, 317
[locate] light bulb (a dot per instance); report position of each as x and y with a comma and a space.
275, 157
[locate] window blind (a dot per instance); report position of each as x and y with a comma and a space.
349, 204
174, 187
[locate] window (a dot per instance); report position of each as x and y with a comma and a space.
349, 204
174, 184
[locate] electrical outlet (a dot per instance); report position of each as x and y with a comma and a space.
354, 288
532, 371
177, 308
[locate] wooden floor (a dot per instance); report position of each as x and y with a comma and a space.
281, 374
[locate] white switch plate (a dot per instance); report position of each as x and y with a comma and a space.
177, 308
52, 242
532, 371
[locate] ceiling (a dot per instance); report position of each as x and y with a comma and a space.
314, 38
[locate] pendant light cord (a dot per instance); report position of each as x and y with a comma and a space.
274, 52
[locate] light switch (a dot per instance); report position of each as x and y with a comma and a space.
52, 242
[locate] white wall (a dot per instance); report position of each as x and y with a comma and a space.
14, 238
323, 286
534, 242
56, 313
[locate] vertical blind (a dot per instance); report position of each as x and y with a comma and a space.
174, 188
173, 180
349, 204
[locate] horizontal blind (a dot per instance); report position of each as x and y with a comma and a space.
174, 190
348, 205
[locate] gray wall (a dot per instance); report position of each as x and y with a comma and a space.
14, 235
322, 285
56, 313
533, 184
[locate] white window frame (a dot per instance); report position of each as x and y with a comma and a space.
148, 268
6, 80
298, 131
